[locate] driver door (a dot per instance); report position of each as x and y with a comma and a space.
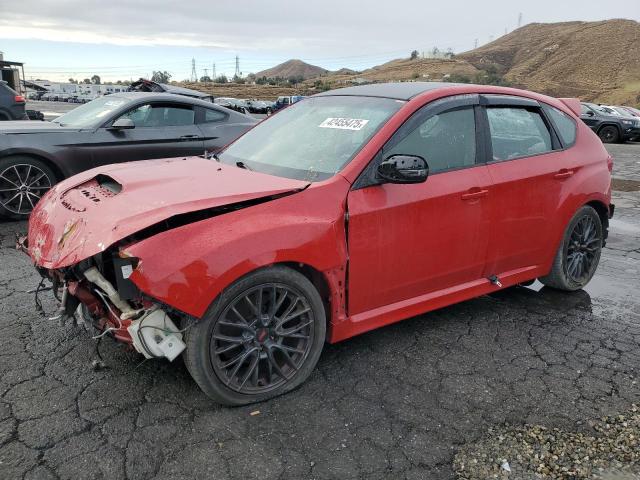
407, 241
162, 130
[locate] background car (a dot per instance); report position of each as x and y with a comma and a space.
143, 85
317, 225
116, 128
259, 106
12, 105
634, 112
285, 101
232, 104
611, 128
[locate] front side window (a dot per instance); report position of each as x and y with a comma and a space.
564, 124
313, 139
150, 115
446, 141
517, 132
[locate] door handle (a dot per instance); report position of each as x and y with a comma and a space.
474, 194
186, 138
562, 174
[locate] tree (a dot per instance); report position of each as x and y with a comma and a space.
95, 80
222, 79
205, 79
87, 81
161, 77
71, 80
414, 54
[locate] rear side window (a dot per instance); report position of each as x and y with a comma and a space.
517, 132
446, 141
564, 124
213, 115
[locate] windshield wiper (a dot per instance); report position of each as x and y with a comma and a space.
242, 165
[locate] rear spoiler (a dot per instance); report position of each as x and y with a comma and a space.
574, 105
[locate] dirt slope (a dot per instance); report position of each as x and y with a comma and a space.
592, 60
292, 68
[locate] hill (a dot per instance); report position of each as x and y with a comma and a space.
592, 60
292, 68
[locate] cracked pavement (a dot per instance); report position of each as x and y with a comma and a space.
396, 403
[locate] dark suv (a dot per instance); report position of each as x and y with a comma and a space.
12, 105
610, 127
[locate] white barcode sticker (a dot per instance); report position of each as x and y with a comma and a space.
344, 123
127, 270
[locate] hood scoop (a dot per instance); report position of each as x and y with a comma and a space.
96, 190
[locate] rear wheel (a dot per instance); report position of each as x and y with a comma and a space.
261, 337
23, 181
609, 134
579, 254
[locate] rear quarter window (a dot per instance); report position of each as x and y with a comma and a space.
565, 125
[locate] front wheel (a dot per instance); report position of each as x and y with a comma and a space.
609, 134
260, 338
23, 181
578, 256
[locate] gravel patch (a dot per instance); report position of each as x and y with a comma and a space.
608, 448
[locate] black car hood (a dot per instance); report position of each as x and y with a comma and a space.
22, 127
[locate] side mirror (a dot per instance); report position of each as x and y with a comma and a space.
403, 169
589, 114
122, 124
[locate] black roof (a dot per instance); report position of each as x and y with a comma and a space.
397, 90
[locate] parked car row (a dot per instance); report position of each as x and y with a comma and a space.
613, 124
304, 229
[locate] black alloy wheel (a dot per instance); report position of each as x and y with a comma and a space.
261, 337
583, 249
609, 134
579, 253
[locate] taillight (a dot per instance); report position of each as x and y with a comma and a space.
19, 99
610, 163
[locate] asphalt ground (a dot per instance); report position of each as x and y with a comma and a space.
409, 401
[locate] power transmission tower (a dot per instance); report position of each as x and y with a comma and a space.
476, 43
237, 74
194, 75
213, 72
519, 19
206, 72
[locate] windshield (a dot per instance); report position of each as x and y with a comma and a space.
89, 114
313, 139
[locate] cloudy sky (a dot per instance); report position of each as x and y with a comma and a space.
128, 39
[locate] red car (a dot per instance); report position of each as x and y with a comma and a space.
348, 211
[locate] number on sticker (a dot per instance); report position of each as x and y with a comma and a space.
344, 123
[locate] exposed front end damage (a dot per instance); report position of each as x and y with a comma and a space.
98, 292
80, 231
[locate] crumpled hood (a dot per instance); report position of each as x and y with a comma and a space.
89, 212
22, 127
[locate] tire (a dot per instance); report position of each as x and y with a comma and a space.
609, 134
23, 181
269, 112
575, 263
237, 357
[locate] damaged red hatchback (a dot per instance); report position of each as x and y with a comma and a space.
320, 223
